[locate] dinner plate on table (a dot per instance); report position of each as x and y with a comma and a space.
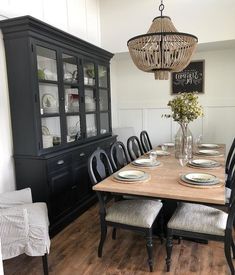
200, 179
209, 145
161, 153
144, 162
169, 144
204, 163
213, 153
131, 175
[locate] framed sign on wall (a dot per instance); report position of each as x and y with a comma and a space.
191, 79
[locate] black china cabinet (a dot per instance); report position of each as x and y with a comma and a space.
59, 88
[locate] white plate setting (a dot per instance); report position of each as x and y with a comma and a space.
209, 153
161, 153
200, 179
169, 144
209, 145
203, 163
131, 175
144, 162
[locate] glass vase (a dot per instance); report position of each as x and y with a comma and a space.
184, 142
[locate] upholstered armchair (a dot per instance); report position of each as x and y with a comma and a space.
23, 226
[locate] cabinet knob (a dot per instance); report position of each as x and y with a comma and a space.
82, 154
60, 162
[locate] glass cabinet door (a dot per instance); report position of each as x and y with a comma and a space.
89, 73
48, 97
71, 97
70, 68
103, 76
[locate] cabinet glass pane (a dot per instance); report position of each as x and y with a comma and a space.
89, 73
90, 103
71, 100
51, 135
104, 123
104, 106
46, 62
91, 128
73, 128
102, 73
49, 98
70, 68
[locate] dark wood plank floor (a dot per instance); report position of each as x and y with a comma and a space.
74, 252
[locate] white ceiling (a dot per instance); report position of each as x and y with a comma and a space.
210, 20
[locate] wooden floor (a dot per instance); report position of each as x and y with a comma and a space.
74, 252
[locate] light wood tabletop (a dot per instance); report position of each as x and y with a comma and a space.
164, 181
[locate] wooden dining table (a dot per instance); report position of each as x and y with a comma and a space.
164, 181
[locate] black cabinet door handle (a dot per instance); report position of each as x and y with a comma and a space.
60, 162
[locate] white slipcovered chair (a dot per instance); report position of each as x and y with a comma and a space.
23, 226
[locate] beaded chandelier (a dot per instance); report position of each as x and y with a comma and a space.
162, 49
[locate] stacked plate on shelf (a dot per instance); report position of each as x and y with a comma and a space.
202, 179
203, 163
131, 176
144, 162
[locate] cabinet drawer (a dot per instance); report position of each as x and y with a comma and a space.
82, 155
59, 163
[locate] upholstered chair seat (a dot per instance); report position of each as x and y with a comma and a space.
199, 218
140, 213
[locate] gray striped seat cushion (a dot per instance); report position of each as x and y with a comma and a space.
141, 213
24, 229
199, 218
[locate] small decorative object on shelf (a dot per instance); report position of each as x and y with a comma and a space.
185, 108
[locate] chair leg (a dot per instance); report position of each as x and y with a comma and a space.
161, 226
233, 248
45, 264
149, 246
114, 233
102, 236
179, 240
169, 245
227, 251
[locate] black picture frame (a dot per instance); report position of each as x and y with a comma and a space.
191, 79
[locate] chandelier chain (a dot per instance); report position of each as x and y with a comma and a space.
161, 7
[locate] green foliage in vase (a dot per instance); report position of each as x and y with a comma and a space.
185, 108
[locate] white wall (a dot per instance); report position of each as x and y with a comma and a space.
141, 100
210, 20
78, 17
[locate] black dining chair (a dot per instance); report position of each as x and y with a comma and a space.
137, 215
119, 155
231, 153
145, 141
206, 223
134, 147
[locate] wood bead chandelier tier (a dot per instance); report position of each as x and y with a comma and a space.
162, 49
